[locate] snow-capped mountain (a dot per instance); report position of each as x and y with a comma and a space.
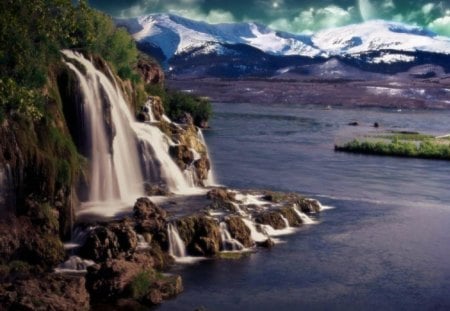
187, 46
177, 35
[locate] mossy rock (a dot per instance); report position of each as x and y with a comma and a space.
292, 217
239, 230
271, 218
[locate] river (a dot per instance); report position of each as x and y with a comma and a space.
385, 245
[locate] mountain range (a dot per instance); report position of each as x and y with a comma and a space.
192, 48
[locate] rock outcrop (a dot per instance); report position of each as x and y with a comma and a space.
45, 292
200, 234
271, 218
239, 230
149, 217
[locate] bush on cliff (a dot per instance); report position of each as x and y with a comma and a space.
177, 103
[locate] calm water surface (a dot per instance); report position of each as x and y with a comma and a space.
385, 246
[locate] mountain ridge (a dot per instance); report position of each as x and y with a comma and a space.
379, 46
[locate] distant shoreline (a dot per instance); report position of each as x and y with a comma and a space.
394, 92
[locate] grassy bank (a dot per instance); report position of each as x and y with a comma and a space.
400, 144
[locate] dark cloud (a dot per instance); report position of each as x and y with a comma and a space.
292, 15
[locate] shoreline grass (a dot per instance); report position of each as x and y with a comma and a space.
400, 144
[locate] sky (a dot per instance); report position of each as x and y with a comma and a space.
292, 15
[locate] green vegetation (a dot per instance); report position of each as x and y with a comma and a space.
405, 135
141, 283
31, 36
401, 144
176, 103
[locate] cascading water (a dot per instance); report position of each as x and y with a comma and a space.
116, 173
286, 222
177, 248
153, 141
228, 243
305, 218
254, 233
211, 180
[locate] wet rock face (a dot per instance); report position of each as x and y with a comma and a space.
308, 205
149, 217
272, 218
239, 230
101, 244
157, 107
292, 217
201, 235
46, 292
110, 241
182, 154
202, 167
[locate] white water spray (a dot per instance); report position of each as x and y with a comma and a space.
211, 179
115, 174
254, 233
177, 248
305, 218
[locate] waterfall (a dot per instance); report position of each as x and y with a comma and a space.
115, 174
211, 180
177, 248
254, 233
228, 243
305, 218
156, 142
286, 222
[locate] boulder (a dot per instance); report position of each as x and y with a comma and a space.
201, 235
110, 279
185, 118
126, 236
271, 218
202, 167
269, 243
132, 277
222, 199
149, 217
182, 155
100, 245
308, 205
221, 194
239, 230
52, 292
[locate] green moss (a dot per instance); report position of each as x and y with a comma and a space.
140, 285
233, 255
